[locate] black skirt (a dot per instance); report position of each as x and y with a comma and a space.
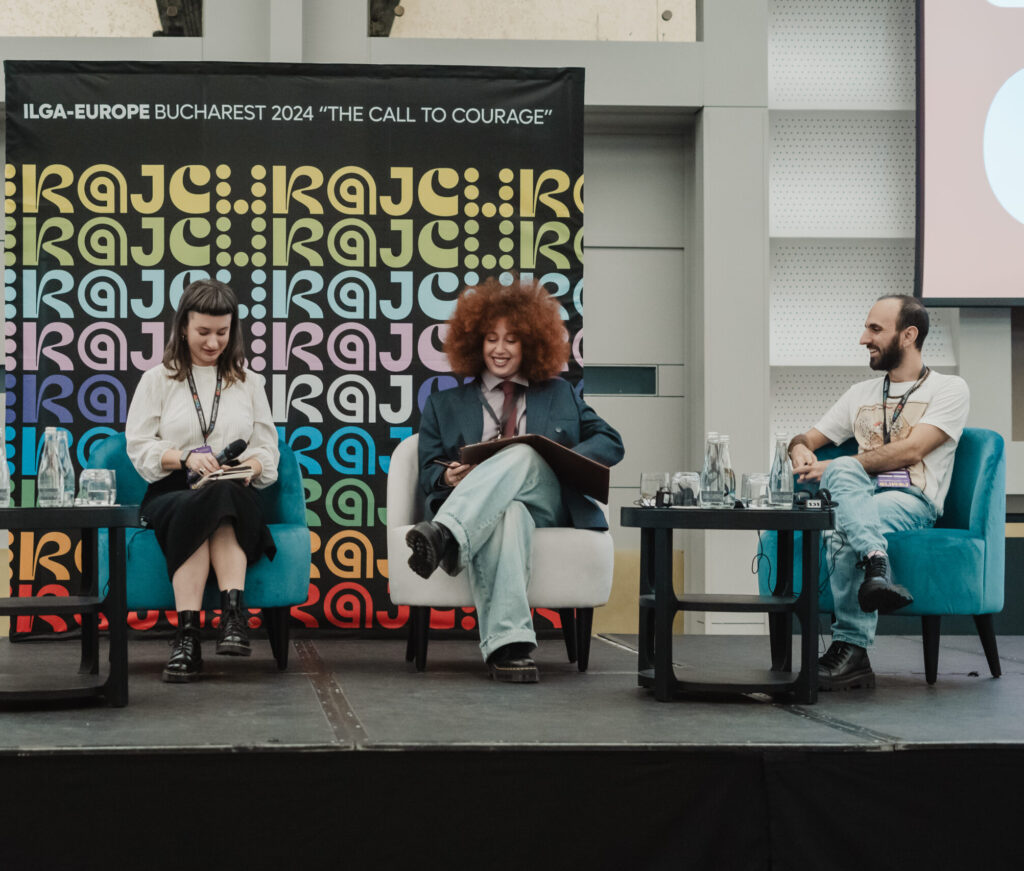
183, 518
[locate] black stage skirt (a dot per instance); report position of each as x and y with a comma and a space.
183, 519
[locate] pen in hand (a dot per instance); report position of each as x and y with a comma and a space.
454, 471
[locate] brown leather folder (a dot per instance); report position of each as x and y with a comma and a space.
575, 470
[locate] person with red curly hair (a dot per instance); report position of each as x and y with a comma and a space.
482, 517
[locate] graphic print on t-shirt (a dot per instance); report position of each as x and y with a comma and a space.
867, 429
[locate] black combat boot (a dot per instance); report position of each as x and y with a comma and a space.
186, 659
234, 625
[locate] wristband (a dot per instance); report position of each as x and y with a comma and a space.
184, 458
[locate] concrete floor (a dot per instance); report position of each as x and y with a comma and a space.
349, 693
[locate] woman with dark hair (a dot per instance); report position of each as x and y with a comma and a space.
183, 414
512, 339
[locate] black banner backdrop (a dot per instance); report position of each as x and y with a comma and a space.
346, 205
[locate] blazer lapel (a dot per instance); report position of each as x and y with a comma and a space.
471, 415
538, 409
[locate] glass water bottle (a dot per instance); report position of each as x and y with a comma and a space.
727, 484
780, 479
50, 474
710, 475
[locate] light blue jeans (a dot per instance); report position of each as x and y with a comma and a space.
864, 514
492, 514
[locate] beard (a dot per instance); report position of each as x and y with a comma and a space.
888, 357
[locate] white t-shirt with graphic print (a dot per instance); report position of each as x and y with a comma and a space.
941, 400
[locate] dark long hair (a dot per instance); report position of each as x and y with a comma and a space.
206, 297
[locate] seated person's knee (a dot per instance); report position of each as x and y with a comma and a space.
520, 454
838, 467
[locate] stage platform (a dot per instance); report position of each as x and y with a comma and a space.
353, 755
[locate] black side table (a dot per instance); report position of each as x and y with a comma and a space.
90, 520
659, 603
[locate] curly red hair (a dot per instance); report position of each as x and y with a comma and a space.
530, 313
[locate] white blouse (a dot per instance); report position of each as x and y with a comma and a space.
162, 417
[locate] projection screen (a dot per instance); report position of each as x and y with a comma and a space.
970, 142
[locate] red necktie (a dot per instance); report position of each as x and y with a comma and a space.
508, 409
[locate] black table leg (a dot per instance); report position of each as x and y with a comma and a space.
780, 625
90, 663
806, 688
645, 640
664, 614
116, 609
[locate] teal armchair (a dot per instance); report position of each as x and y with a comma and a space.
272, 585
957, 567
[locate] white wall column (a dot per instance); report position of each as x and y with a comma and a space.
735, 384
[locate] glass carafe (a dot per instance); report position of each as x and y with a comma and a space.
780, 479
50, 474
728, 476
711, 473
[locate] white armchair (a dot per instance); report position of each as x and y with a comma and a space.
572, 569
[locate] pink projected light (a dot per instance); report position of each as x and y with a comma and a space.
970, 119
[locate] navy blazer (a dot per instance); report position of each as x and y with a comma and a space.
455, 418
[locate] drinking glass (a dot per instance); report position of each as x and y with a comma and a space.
686, 489
97, 487
754, 489
650, 484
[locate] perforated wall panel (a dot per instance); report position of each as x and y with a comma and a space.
841, 54
821, 291
842, 174
802, 396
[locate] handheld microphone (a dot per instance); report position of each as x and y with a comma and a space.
225, 456
231, 451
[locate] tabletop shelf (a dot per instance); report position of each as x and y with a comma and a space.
726, 603
68, 517
781, 519
50, 687
50, 605
93, 521
659, 602
727, 680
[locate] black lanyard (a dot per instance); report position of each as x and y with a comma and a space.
199, 406
487, 407
898, 410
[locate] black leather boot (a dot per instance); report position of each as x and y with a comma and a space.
512, 663
432, 545
878, 592
845, 666
234, 625
186, 659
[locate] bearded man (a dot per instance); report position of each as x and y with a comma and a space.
907, 425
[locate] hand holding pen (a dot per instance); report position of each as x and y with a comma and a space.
454, 471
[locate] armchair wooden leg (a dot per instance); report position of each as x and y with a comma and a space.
987, 634
410, 638
584, 630
930, 633
568, 616
419, 635
278, 633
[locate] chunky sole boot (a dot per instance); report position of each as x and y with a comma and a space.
878, 592
862, 679
512, 663
234, 625
845, 666
432, 545
186, 659
515, 671
881, 597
